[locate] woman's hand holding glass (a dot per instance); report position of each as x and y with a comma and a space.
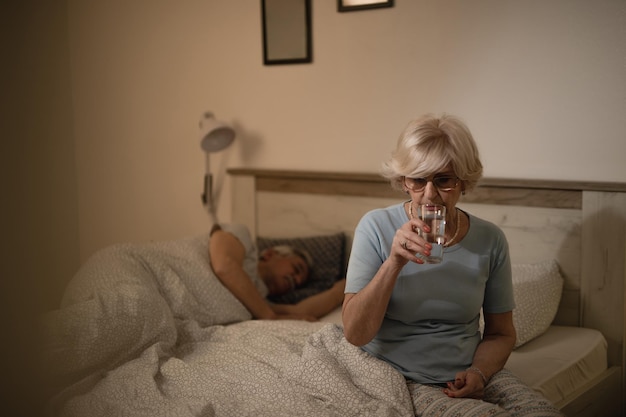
408, 242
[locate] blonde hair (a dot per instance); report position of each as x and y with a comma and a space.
427, 145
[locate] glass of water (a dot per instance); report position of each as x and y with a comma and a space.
434, 215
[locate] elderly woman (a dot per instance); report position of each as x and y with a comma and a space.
422, 318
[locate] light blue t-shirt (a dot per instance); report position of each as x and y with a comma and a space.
430, 330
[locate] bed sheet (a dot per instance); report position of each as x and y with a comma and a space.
145, 330
277, 368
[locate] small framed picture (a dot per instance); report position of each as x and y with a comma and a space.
286, 28
353, 5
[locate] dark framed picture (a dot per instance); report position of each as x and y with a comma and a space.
353, 5
286, 31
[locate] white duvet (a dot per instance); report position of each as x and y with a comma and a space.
147, 330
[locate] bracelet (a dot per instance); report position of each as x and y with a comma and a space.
479, 372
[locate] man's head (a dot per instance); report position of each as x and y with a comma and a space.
283, 268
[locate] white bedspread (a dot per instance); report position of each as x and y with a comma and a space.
145, 330
253, 368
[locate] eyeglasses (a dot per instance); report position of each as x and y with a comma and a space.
442, 183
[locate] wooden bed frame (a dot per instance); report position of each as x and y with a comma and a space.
580, 224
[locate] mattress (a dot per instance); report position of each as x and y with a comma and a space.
560, 361
556, 363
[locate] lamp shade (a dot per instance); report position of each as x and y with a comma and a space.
214, 135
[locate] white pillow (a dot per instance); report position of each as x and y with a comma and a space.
537, 290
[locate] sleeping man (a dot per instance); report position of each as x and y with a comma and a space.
276, 271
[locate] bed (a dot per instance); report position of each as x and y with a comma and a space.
153, 346
578, 362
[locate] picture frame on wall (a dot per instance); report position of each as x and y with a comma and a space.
353, 5
286, 26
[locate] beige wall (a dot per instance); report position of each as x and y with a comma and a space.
541, 84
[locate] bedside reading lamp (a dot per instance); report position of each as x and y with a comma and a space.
214, 137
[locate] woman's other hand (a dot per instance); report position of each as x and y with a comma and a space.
466, 385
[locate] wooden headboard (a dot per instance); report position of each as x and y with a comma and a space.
582, 225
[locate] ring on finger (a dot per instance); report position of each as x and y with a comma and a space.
403, 244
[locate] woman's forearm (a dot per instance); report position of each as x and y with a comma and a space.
363, 312
498, 342
492, 354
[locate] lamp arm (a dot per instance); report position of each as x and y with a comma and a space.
208, 196
203, 197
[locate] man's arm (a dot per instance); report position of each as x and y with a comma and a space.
317, 305
226, 254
